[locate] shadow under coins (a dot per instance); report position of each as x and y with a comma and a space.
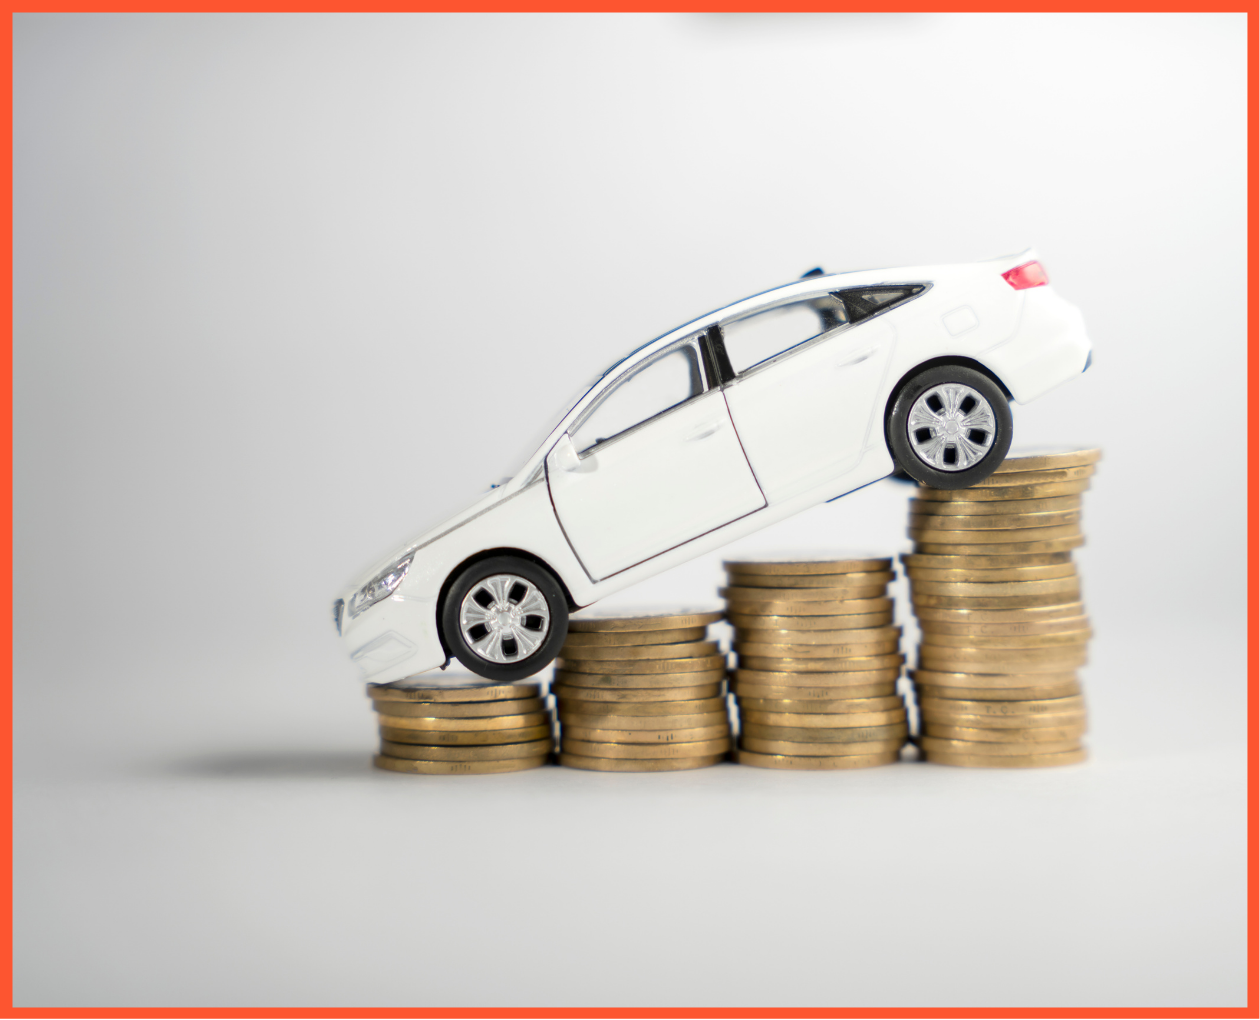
320, 765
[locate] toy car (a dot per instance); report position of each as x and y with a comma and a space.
729, 423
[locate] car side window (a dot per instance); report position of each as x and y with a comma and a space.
758, 338
658, 386
863, 302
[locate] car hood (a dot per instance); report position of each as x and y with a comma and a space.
483, 503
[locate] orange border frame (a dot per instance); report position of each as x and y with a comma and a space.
1249, 7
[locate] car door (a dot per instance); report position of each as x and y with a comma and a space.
806, 376
654, 463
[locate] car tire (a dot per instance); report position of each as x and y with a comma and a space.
505, 618
949, 427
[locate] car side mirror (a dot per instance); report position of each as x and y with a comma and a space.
566, 455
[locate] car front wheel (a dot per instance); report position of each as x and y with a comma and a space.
505, 618
950, 427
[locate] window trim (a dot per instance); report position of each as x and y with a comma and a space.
697, 352
716, 337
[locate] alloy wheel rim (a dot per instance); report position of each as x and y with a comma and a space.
951, 427
504, 618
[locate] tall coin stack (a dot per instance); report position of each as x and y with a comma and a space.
642, 692
463, 725
818, 662
998, 601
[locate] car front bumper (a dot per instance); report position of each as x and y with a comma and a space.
396, 638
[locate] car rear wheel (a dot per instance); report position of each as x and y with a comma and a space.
505, 618
949, 427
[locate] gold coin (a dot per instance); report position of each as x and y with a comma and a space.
445, 738
973, 561
1025, 615
971, 589
819, 763
619, 666
1038, 490
1047, 459
1008, 735
836, 651
454, 768
1002, 660
1070, 627
864, 635
608, 749
601, 638
739, 598
1000, 722
688, 650
780, 607
809, 564
674, 735
497, 722
799, 624
959, 507
458, 710
936, 678
1037, 476
697, 720
833, 735
933, 548
872, 579
1001, 693
992, 602
838, 706
1037, 573
474, 752
996, 748
415, 691
1011, 667
814, 693
995, 522
820, 747
623, 695
1066, 639
825, 720
1051, 706
638, 681
795, 664
954, 536
858, 678
1009, 761
615, 619
582, 761
648, 708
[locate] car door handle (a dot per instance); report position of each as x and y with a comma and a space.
858, 358
704, 432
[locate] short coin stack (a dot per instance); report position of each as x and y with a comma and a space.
641, 692
998, 600
818, 662
462, 725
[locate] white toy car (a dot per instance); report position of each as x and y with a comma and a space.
723, 426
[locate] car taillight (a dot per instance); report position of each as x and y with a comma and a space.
1030, 274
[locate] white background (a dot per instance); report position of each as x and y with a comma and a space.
288, 289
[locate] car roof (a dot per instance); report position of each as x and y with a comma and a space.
797, 290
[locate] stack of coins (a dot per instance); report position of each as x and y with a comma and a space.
998, 600
461, 725
641, 692
818, 662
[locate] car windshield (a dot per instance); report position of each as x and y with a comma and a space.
536, 438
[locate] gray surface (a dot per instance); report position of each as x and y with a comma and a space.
260, 262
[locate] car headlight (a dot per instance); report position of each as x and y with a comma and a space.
381, 586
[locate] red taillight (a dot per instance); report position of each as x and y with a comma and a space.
1030, 274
